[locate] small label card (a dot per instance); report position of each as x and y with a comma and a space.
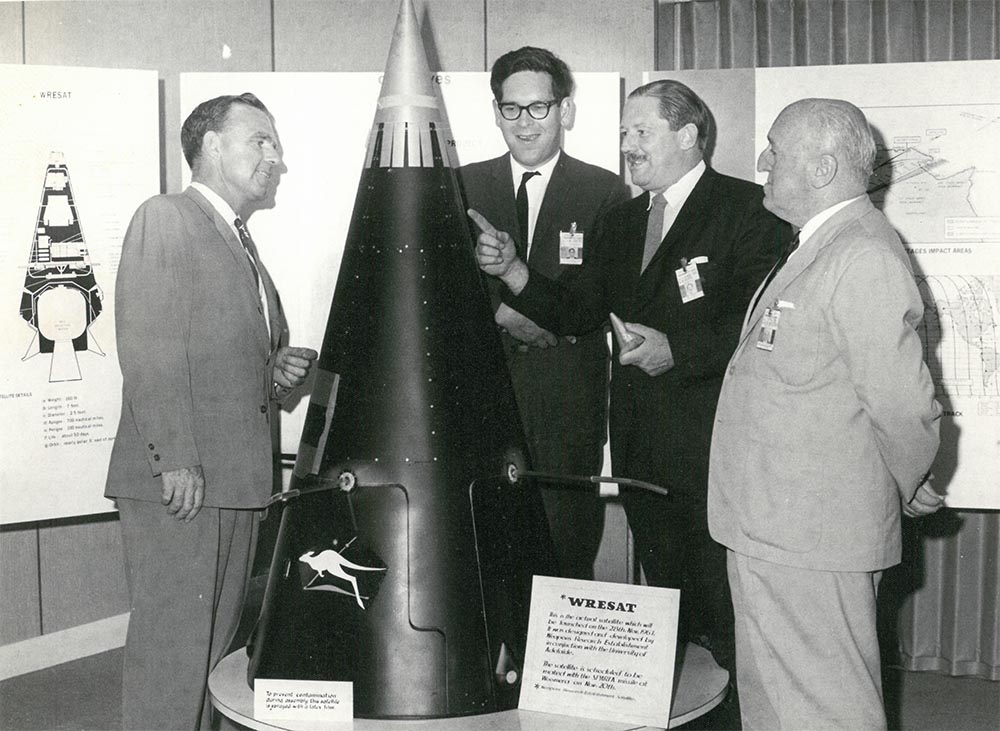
303, 700
600, 650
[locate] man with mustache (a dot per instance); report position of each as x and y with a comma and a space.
200, 344
678, 264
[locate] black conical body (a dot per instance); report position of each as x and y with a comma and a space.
404, 562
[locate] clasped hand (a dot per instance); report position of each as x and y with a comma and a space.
292, 365
924, 501
650, 351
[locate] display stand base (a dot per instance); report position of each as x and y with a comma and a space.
700, 687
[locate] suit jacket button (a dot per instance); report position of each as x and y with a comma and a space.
151, 446
156, 458
263, 408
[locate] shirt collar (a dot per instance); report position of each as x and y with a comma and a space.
822, 217
677, 193
220, 205
517, 169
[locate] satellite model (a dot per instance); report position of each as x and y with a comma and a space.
407, 542
61, 297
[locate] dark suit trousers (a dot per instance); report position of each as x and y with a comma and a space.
575, 513
674, 547
187, 584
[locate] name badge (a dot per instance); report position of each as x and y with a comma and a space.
689, 281
768, 328
571, 246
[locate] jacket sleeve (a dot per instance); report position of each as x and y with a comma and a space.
874, 313
576, 303
153, 317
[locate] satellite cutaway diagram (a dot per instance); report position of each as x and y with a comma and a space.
61, 297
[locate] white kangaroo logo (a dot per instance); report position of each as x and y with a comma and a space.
331, 563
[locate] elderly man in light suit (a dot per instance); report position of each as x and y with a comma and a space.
825, 431
199, 329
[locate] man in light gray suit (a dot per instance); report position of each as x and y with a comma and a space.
200, 332
825, 431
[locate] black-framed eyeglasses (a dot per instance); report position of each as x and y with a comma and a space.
536, 110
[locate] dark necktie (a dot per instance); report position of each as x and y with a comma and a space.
654, 229
521, 203
792, 246
248, 248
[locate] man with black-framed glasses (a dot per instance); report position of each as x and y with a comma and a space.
550, 202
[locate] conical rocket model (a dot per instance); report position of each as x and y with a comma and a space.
407, 544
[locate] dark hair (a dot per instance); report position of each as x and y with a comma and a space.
210, 116
530, 58
679, 106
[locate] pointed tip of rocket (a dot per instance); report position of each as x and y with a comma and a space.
407, 88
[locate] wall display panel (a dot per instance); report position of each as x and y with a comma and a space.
324, 134
81, 155
937, 179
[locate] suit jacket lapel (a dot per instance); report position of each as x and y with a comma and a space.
803, 257
690, 213
236, 249
505, 206
546, 238
225, 232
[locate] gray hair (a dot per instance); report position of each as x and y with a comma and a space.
844, 132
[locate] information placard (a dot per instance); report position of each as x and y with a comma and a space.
303, 700
601, 650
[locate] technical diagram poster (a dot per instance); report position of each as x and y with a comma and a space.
323, 120
81, 152
937, 179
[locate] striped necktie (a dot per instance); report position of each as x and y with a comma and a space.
248, 248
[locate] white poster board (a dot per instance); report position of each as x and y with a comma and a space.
323, 120
81, 152
601, 650
938, 171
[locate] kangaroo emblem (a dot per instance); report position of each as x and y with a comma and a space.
332, 564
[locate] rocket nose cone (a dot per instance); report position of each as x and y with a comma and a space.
406, 83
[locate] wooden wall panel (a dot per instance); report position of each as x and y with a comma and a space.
19, 612
590, 35
354, 35
82, 573
11, 37
172, 36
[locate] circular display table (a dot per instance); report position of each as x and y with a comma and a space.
699, 686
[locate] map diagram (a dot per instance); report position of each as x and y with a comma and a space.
937, 172
61, 297
961, 333
937, 179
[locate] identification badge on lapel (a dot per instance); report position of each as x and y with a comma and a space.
689, 280
768, 328
571, 246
